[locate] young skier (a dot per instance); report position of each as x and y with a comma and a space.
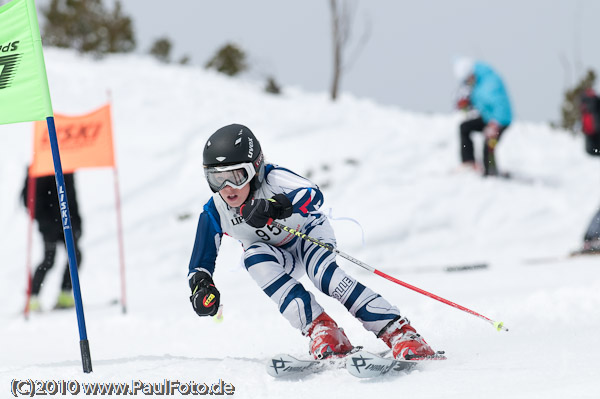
248, 194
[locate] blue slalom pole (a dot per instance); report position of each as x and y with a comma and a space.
86, 359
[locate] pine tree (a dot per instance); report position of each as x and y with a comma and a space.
570, 109
120, 37
272, 86
230, 60
85, 25
161, 49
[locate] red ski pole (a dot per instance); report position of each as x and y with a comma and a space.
497, 324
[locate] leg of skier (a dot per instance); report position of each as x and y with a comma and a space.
371, 309
466, 143
65, 298
490, 165
40, 274
276, 272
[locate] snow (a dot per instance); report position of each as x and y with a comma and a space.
393, 171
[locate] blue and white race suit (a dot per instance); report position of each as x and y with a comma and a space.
276, 259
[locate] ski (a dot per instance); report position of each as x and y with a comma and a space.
466, 267
449, 268
359, 363
559, 258
364, 364
285, 365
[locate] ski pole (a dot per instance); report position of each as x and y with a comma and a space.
497, 324
218, 318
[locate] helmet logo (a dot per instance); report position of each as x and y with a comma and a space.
250, 148
238, 141
259, 159
221, 159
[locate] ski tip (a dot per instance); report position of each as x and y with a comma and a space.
365, 364
284, 365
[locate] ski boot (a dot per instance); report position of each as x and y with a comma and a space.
65, 300
404, 341
34, 304
326, 338
591, 246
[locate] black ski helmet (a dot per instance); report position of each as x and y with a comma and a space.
235, 144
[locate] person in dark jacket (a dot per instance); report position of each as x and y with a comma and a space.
47, 215
590, 125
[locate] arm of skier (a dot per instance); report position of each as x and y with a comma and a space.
205, 297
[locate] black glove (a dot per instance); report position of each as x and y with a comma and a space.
205, 296
259, 212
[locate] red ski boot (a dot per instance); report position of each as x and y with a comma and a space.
326, 338
404, 341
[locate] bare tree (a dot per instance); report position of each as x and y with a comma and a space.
342, 18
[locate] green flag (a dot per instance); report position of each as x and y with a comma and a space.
24, 93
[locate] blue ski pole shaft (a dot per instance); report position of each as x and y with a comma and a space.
70, 245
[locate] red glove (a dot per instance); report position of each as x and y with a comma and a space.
463, 103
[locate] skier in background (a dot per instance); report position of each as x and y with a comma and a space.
248, 194
47, 215
483, 91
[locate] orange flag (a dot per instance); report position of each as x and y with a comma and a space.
84, 141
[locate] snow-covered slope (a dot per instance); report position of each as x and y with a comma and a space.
391, 170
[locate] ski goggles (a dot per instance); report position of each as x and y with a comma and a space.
235, 176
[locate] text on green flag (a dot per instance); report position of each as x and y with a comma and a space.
24, 94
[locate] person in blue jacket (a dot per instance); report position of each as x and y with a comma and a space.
248, 193
487, 95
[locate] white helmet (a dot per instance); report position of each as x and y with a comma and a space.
463, 68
